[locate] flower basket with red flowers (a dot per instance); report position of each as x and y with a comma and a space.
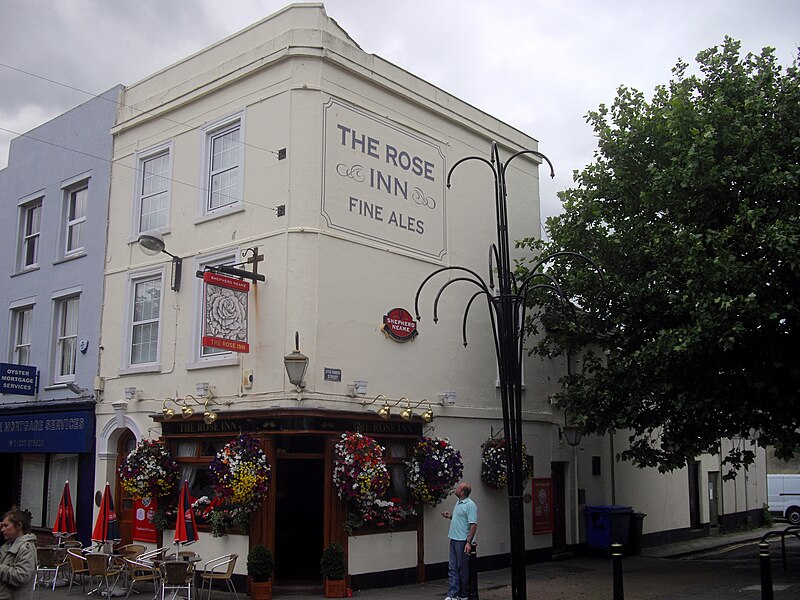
149, 471
359, 471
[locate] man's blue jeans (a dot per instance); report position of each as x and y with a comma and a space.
458, 570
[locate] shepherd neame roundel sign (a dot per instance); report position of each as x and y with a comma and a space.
399, 325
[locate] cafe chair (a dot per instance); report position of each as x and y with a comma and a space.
149, 555
49, 561
177, 575
102, 570
187, 555
138, 572
78, 568
131, 550
219, 569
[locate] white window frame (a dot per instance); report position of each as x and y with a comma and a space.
63, 338
21, 316
139, 196
210, 133
28, 237
133, 280
199, 360
74, 221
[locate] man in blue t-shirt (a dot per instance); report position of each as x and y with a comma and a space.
463, 525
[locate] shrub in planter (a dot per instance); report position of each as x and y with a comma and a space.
333, 571
259, 568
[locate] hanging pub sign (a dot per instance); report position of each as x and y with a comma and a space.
399, 325
225, 312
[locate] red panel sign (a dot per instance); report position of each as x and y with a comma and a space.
143, 528
225, 313
399, 325
542, 506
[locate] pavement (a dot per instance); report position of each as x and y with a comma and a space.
710, 568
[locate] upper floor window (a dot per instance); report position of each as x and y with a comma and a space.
153, 190
21, 322
75, 218
66, 342
30, 232
146, 320
224, 154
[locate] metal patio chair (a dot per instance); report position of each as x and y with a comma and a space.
219, 569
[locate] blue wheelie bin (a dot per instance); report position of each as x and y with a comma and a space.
606, 525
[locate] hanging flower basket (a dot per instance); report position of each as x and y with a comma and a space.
359, 471
149, 471
433, 470
494, 470
240, 474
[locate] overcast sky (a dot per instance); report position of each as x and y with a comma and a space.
537, 65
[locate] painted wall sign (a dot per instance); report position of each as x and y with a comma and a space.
18, 379
69, 431
542, 506
399, 325
225, 312
382, 182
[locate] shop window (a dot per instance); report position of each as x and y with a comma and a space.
43, 477
194, 459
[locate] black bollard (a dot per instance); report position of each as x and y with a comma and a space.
473, 572
766, 571
616, 559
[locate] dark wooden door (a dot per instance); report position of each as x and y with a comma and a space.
123, 503
558, 473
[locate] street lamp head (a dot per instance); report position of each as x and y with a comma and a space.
151, 243
572, 434
296, 364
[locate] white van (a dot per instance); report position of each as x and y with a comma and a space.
784, 496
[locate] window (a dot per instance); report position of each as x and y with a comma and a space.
66, 339
75, 218
21, 328
145, 323
31, 228
153, 190
223, 166
43, 477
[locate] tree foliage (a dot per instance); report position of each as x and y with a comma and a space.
691, 208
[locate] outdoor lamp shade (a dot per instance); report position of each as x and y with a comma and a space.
296, 364
384, 411
209, 416
187, 411
572, 434
185, 526
106, 527
166, 411
65, 519
406, 414
427, 416
151, 243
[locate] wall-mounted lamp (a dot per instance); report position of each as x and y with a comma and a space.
131, 393
152, 243
571, 433
374, 400
167, 411
186, 410
209, 416
448, 397
407, 413
357, 388
296, 365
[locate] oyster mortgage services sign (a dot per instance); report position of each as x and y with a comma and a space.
382, 182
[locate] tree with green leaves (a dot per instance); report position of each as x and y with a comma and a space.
691, 206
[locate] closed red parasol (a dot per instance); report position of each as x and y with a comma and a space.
185, 527
65, 519
106, 528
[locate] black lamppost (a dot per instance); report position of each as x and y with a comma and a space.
507, 312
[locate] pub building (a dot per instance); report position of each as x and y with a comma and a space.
314, 174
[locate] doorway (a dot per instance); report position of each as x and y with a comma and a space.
713, 498
558, 472
694, 495
123, 502
299, 518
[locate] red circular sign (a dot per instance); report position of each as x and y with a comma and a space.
399, 325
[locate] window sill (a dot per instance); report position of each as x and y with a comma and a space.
153, 368
221, 212
25, 270
210, 364
69, 258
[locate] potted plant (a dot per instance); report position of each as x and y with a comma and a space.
259, 568
333, 571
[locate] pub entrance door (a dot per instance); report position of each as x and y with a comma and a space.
299, 512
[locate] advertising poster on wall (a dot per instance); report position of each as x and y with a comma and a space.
542, 506
143, 528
